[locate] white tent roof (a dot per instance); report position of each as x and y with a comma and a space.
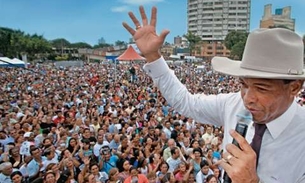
17, 61
5, 59
11, 61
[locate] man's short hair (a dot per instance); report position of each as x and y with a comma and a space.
4, 165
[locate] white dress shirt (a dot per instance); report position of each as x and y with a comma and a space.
282, 157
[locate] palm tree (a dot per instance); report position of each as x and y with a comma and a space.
193, 40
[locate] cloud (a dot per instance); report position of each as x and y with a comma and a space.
141, 2
120, 9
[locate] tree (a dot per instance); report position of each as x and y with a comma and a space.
120, 43
60, 43
80, 45
193, 40
16, 42
235, 41
102, 45
101, 41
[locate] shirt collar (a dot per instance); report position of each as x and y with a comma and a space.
277, 126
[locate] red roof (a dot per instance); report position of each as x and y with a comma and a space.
130, 55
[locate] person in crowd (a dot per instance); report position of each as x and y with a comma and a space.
6, 170
154, 162
49, 177
123, 167
196, 159
204, 171
107, 160
168, 178
55, 169
16, 177
211, 179
162, 170
152, 178
269, 84
135, 177
175, 159
113, 176
85, 149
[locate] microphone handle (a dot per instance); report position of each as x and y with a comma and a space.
240, 128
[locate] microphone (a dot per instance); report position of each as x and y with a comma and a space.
243, 120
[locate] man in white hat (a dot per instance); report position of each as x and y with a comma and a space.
28, 142
271, 74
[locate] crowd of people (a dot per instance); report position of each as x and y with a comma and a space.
97, 124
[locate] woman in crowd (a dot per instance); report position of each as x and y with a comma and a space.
113, 176
181, 172
211, 179
15, 158
54, 167
154, 162
163, 169
124, 167
99, 176
216, 172
196, 159
135, 177
152, 178
74, 171
73, 146
65, 154
209, 156
143, 166
49, 177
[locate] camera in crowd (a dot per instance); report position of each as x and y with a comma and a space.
105, 150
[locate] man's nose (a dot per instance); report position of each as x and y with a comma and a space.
249, 96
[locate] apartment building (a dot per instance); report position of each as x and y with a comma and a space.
212, 20
281, 18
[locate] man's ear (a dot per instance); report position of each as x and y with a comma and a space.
296, 86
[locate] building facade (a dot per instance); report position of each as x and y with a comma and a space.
281, 18
214, 19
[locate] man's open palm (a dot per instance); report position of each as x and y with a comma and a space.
145, 36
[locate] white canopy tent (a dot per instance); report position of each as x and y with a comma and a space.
7, 62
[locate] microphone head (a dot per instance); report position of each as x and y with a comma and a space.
244, 116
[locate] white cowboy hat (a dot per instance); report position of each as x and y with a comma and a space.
269, 53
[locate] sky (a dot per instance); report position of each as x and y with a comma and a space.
89, 20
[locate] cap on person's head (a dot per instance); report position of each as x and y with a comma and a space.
19, 115
269, 53
1, 107
27, 134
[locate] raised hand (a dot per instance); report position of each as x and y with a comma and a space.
145, 35
86, 161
